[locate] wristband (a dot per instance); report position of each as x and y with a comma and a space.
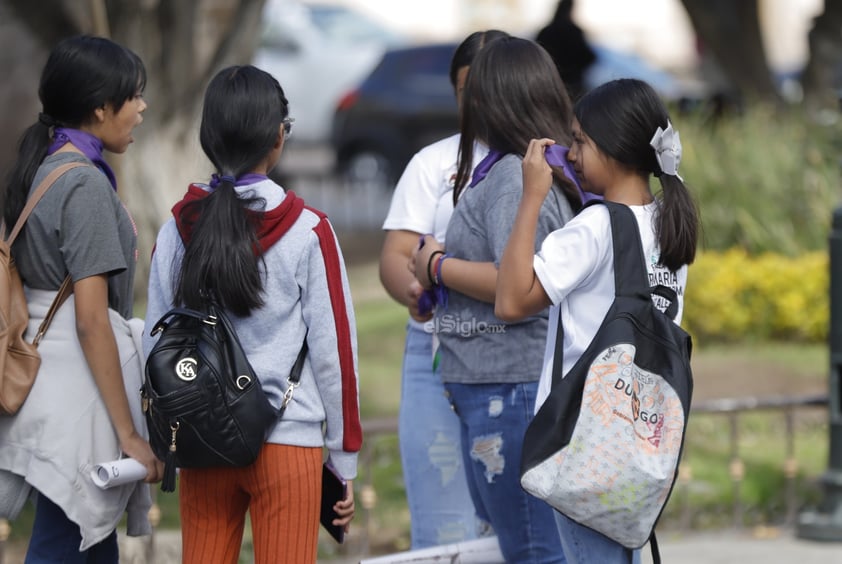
439, 279
430, 277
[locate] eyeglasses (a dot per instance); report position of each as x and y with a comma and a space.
288, 125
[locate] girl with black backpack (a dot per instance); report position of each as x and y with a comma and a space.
621, 136
275, 267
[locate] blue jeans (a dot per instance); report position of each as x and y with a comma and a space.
440, 506
55, 539
583, 545
494, 418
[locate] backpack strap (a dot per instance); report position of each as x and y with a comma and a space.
630, 278
294, 376
653, 546
66, 287
63, 293
36, 196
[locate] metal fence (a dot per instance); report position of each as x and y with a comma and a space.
733, 410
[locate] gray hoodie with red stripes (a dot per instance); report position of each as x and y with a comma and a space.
305, 292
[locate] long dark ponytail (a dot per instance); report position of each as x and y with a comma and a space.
82, 74
621, 117
241, 119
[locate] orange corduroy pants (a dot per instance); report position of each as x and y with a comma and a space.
281, 491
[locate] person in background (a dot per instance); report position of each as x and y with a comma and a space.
489, 368
275, 266
440, 507
567, 45
84, 407
621, 136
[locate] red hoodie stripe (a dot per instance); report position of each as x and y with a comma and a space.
352, 436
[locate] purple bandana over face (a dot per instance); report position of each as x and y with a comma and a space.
90, 145
556, 155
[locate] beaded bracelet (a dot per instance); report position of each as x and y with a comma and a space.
430, 277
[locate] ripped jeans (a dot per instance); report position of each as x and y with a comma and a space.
493, 418
440, 506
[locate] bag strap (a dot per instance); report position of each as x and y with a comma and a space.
66, 287
36, 196
295, 373
630, 278
653, 546
294, 376
63, 293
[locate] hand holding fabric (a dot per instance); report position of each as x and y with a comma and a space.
537, 174
427, 247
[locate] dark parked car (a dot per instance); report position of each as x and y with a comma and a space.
406, 103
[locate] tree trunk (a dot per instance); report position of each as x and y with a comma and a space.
730, 30
820, 78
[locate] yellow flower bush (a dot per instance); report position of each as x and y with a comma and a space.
732, 296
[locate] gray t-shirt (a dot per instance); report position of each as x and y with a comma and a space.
79, 227
476, 346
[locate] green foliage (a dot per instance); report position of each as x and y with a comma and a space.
765, 181
708, 490
734, 297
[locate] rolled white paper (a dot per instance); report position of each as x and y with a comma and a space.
118, 472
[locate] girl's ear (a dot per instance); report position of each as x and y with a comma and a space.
99, 114
279, 142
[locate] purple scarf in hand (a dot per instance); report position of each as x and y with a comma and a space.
556, 155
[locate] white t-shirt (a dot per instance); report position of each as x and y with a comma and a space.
423, 198
576, 269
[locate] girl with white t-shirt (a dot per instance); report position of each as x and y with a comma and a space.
621, 135
440, 507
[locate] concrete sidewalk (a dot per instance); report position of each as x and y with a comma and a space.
763, 546
769, 546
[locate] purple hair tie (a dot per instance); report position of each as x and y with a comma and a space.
244, 180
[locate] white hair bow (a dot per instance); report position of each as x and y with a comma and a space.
667, 147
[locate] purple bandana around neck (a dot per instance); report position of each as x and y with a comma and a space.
485, 165
244, 180
90, 145
556, 155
